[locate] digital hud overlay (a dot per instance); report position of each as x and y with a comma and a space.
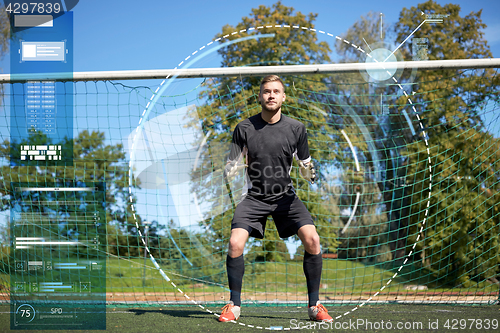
59, 281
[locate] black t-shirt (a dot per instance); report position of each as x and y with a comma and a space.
269, 149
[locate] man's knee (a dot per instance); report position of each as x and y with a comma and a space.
237, 242
312, 244
310, 239
236, 247
314, 239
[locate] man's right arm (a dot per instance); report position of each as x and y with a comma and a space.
238, 146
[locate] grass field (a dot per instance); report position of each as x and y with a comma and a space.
275, 280
338, 275
345, 285
372, 318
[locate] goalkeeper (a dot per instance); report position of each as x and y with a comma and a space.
268, 141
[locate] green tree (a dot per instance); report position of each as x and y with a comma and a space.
184, 252
5, 247
464, 166
5, 34
366, 237
365, 107
463, 226
4, 31
228, 101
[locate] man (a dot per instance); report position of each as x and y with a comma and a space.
269, 141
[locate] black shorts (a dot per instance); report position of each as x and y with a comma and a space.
288, 212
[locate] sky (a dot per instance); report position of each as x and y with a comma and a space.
154, 34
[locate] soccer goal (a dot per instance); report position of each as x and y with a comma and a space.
130, 206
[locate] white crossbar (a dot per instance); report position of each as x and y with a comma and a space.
250, 71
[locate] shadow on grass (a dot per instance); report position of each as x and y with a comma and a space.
180, 313
249, 313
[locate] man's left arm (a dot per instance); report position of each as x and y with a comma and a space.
306, 166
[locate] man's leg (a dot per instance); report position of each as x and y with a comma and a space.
313, 262
235, 264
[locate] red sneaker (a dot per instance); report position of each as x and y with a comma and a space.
319, 313
229, 312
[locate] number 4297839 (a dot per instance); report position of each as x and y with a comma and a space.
479, 324
33, 8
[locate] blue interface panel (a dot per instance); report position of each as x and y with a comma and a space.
42, 108
59, 280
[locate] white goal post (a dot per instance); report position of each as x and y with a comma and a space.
251, 71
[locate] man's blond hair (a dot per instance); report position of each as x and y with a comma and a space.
272, 78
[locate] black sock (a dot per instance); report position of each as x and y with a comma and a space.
235, 270
313, 263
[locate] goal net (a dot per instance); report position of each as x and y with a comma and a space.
133, 204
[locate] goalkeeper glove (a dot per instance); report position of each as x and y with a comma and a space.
232, 169
307, 171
